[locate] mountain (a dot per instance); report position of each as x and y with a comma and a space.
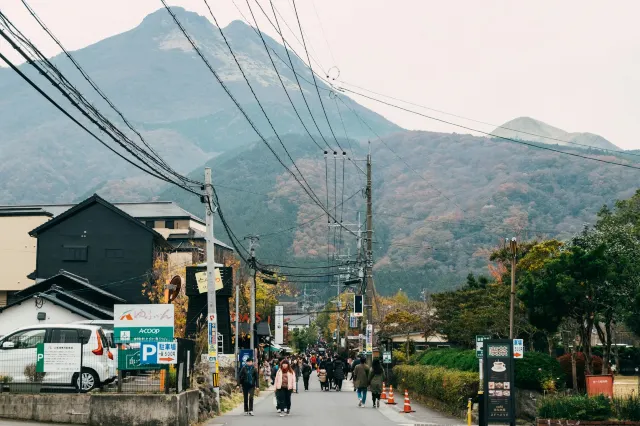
528, 129
433, 225
152, 74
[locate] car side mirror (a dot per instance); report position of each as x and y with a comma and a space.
8, 345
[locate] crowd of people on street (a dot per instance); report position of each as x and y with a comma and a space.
284, 374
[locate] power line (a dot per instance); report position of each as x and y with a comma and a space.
491, 124
313, 75
547, 148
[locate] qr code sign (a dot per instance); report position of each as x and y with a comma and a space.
496, 351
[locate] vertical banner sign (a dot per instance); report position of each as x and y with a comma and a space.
212, 339
499, 398
279, 324
480, 346
143, 323
369, 339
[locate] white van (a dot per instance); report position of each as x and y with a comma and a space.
18, 351
107, 328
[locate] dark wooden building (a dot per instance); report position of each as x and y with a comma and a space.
101, 243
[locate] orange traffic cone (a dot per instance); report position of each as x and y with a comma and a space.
390, 400
383, 395
407, 404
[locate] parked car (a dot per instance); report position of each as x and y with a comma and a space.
107, 328
18, 354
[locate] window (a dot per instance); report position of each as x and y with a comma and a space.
169, 224
27, 339
150, 223
74, 253
65, 335
113, 253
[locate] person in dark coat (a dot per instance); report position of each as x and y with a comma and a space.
338, 373
376, 378
274, 371
330, 372
248, 380
306, 373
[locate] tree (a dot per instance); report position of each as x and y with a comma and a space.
399, 322
302, 338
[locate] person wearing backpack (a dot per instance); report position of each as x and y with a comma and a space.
248, 380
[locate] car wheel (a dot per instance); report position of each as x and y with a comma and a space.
90, 380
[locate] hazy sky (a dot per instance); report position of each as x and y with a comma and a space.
574, 64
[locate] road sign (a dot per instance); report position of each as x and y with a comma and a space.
518, 348
158, 353
58, 357
129, 359
479, 340
386, 357
138, 323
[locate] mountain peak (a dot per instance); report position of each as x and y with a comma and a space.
530, 129
162, 18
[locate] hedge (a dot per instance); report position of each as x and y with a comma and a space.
451, 387
531, 372
565, 363
578, 407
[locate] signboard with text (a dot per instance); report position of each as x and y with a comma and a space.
58, 357
518, 348
479, 345
212, 338
158, 353
369, 339
129, 358
499, 388
203, 284
138, 323
279, 325
386, 357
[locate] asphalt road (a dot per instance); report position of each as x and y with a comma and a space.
316, 408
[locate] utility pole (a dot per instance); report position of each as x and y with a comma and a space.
211, 288
252, 245
369, 257
237, 352
513, 245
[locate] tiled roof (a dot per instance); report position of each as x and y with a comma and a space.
154, 209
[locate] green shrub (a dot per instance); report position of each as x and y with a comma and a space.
399, 356
458, 359
532, 372
578, 407
627, 408
451, 387
536, 371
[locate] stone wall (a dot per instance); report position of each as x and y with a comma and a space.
558, 422
104, 409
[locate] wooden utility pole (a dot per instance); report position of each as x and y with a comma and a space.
513, 245
369, 259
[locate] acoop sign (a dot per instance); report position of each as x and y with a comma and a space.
136, 323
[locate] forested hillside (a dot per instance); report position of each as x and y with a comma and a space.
435, 221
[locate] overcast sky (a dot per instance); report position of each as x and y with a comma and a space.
574, 64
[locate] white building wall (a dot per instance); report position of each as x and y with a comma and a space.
26, 314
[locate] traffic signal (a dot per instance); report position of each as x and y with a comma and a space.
357, 305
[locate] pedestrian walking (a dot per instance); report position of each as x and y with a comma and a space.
266, 371
376, 377
297, 370
285, 385
330, 370
306, 373
248, 380
322, 376
338, 373
361, 380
